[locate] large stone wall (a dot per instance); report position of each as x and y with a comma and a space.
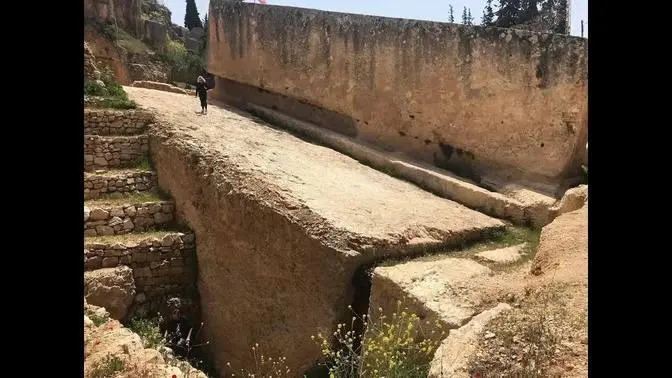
104, 152
161, 266
115, 122
97, 185
124, 219
506, 105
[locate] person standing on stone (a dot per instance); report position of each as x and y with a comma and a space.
202, 94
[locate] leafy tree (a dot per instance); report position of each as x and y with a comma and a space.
465, 17
451, 18
528, 11
191, 18
561, 25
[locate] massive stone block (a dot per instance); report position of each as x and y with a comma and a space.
488, 103
283, 225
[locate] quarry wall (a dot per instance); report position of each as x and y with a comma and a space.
487, 103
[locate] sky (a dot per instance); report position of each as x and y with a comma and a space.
431, 10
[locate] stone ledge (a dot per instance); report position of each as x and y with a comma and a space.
103, 220
117, 183
505, 255
116, 122
159, 86
104, 152
435, 290
441, 183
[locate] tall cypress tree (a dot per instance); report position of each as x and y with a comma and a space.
469, 18
508, 12
488, 14
465, 17
451, 18
191, 18
205, 31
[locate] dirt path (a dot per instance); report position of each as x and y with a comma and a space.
348, 194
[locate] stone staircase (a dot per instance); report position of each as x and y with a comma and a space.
128, 221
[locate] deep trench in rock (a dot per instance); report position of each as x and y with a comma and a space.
361, 281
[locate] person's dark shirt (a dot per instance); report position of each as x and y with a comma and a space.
202, 89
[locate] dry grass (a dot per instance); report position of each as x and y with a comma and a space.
135, 198
543, 338
109, 367
510, 236
401, 346
125, 238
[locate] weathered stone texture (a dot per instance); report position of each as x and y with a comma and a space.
480, 101
126, 13
96, 185
265, 219
161, 266
159, 86
112, 288
104, 152
115, 122
127, 218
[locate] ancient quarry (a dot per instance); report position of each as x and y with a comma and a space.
348, 165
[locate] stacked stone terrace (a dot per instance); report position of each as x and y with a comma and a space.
127, 220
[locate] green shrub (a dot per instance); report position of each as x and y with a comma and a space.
148, 330
176, 54
399, 347
402, 346
108, 367
116, 103
92, 88
111, 96
114, 89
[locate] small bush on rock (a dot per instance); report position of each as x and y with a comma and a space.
399, 347
148, 330
265, 366
108, 367
93, 88
109, 95
174, 336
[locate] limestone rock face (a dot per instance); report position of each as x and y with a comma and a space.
158, 86
125, 12
563, 248
279, 240
89, 63
155, 33
573, 199
112, 288
452, 357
